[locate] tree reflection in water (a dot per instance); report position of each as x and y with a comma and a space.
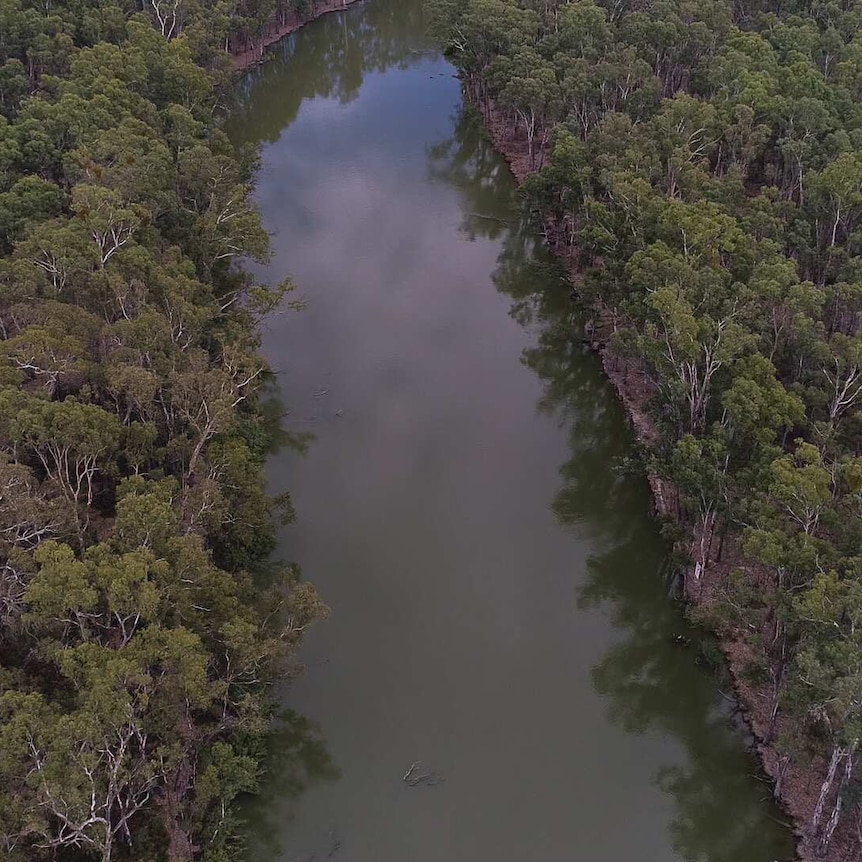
330, 61
297, 757
722, 812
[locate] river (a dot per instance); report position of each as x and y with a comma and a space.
469, 505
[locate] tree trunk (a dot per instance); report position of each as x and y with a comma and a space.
783, 763
835, 816
837, 753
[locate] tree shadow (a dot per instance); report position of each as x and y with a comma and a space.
271, 412
296, 758
467, 162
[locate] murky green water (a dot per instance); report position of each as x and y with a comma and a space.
467, 506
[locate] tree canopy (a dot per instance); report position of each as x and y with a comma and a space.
139, 631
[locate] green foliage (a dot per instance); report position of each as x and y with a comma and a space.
136, 644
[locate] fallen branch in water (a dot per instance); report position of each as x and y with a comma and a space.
415, 776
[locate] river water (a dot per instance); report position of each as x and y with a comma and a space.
469, 505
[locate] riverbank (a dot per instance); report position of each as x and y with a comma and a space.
277, 30
795, 786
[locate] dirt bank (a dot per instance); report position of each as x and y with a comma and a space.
796, 786
251, 55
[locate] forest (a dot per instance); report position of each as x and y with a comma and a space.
699, 164
141, 623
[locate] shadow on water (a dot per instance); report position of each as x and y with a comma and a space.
296, 753
656, 677
467, 163
296, 758
271, 434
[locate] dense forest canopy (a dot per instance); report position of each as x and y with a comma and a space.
702, 164
138, 628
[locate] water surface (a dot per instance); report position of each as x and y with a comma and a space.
469, 506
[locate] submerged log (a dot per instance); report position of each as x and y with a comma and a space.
417, 775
